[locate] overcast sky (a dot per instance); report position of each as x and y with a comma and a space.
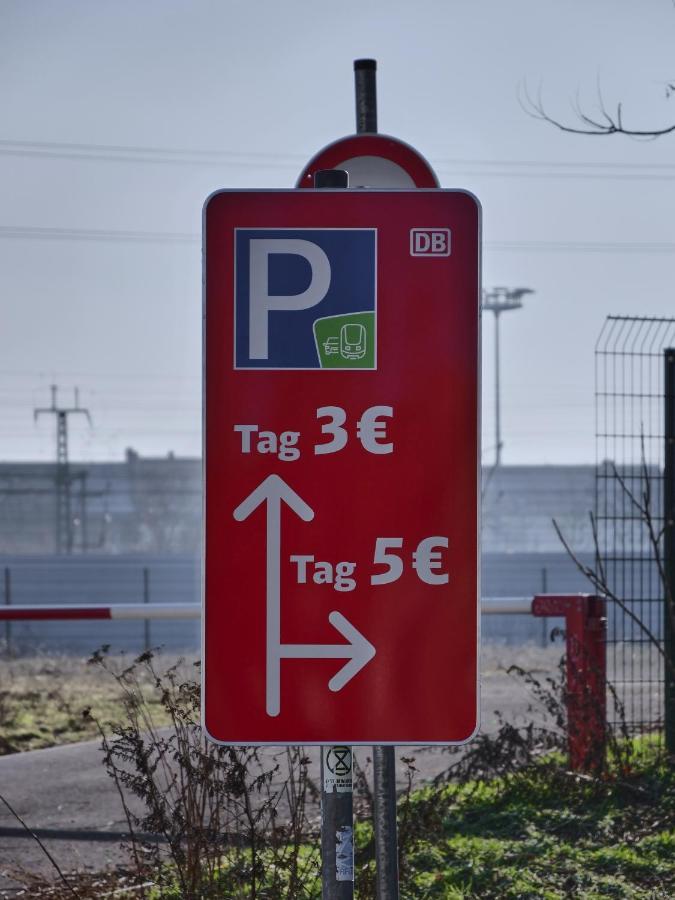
117, 119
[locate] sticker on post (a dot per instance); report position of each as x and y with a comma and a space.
344, 853
337, 770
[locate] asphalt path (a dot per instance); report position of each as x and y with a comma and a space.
66, 797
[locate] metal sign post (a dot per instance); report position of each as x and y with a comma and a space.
386, 834
337, 781
384, 758
337, 823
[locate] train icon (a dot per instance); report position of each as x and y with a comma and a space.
352, 341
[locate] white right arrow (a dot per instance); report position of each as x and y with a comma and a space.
358, 650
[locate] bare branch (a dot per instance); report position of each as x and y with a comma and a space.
607, 123
601, 585
631, 496
41, 845
655, 536
596, 544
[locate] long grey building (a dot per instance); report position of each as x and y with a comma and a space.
135, 532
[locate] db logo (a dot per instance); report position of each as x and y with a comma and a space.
430, 242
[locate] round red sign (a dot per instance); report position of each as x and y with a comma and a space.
372, 160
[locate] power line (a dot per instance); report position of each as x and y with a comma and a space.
254, 159
36, 232
117, 404
589, 176
117, 431
162, 376
135, 154
582, 246
92, 234
557, 164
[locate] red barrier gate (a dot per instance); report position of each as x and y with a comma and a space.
586, 676
585, 626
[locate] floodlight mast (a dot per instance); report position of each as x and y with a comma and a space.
499, 300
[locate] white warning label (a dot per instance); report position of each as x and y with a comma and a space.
337, 769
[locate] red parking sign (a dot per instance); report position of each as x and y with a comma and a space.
341, 467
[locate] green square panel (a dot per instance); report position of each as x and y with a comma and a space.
347, 341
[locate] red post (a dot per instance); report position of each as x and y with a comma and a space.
585, 627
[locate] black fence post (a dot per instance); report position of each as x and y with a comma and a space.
8, 601
146, 599
544, 621
669, 548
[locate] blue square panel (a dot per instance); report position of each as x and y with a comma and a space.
294, 287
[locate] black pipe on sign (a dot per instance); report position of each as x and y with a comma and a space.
366, 95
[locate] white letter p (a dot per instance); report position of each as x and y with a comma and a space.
260, 301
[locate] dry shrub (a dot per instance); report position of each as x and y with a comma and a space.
226, 821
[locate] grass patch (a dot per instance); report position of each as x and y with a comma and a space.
543, 833
42, 696
42, 699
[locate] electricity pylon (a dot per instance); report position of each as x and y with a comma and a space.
63, 531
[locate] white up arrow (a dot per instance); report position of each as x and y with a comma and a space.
358, 651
